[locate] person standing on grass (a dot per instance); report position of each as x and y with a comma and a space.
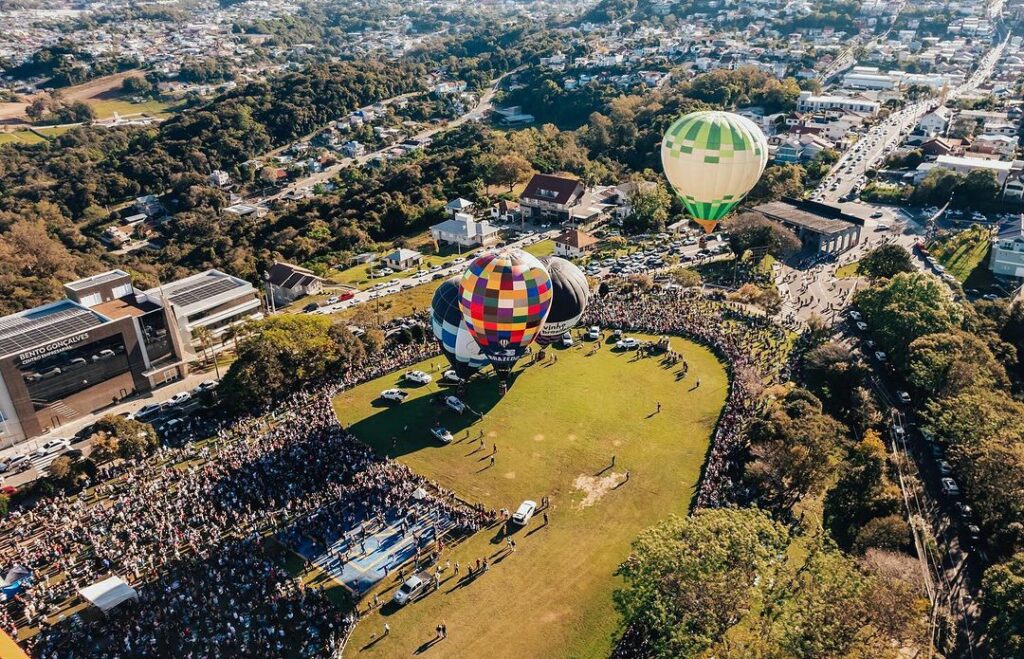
387, 629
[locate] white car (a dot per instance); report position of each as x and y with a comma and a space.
627, 343
419, 377
442, 434
395, 395
855, 315
903, 396
862, 326
454, 404
146, 412
524, 513
881, 356
567, 341
594, 333
53, 446
179, 398
451, 377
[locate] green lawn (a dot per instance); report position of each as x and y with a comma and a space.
106, 107
962, 253
556, 432
20, 137
848, 271
542, 248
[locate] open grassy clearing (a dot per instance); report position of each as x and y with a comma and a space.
963, 253
848, 271
20, 137
541, 248
556, 432
396, 305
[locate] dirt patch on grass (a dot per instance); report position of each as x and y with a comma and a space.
595, 487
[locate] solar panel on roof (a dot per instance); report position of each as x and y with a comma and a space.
201, 290
21, 333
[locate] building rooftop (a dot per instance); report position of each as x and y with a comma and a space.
553, 189
200, 291
125, 306
102, 278
45, 325
821, 218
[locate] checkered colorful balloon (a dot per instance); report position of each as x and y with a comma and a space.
505, 297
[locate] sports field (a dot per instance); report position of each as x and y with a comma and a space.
556, 433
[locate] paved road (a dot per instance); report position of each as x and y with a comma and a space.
870, 151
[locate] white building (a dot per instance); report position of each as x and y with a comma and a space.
463, 229
1007, 258
809, 102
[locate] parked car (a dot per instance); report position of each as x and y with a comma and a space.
903, 396
179, 399
419, 377
855, 315
594, 333
627, 343
567, 341
451, 377
454, 404
442, 434
950, 488
106, 353
147, 412
311, 307
881, 356
945, 468
862, 326
524, 513
394, 395
413, 587
18, 463
53, 446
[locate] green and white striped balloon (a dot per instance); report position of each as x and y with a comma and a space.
712, 159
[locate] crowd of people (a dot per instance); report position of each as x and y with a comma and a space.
197, 528
193, 527
753, 345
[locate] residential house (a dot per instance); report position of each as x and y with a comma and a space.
574, 243
548, 197
287, 282
219, 178
935, 122
463, 229
149, 205
1007, 259
403, 259
809, 102
459, 205
998, 145
506, 211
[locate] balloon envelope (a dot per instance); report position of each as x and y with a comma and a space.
570, 293
713, 159
505, 297
451, 333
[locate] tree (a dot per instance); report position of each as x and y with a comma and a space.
907, 307
886, 261
689, 579
776, 182
60, 468
507, 169
1003, 601
284, 353
129, 438
951, 362
979, 186
649, 204
795, 449
37, 108
136, 85
753, 231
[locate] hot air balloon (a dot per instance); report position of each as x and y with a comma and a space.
456, 342
505, 297
570, 293
713, 159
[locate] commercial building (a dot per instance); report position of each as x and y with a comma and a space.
465, 230
809, 102
822, 228
106, 341
549, 197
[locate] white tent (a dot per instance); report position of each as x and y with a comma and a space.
107, 594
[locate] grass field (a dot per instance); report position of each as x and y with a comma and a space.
848, 271
962, 253
106, 107
541, 248
20, 137
556, 432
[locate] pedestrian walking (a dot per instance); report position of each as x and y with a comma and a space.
456, 568
492, 460
545, 519
387, 629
